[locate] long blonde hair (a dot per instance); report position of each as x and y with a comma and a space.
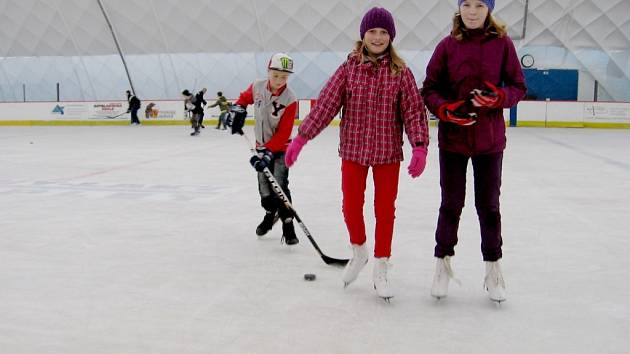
492, 26
397, 64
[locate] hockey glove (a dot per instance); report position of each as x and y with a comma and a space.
262, 159
238, 122
294, 149
418, 161
491, 98
448, 112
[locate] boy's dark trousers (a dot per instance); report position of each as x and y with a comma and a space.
268, 199
487, 170
194, 122
134, 116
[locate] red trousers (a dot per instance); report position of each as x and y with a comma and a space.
353, 178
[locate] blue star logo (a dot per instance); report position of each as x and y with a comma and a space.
58, 109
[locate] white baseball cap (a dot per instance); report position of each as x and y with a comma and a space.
281, 62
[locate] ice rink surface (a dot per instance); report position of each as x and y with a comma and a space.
141, 240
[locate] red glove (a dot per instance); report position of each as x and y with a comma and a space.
448, 112
294, 149
492, 98
418, 161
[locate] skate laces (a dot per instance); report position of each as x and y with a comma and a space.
359, 253
494, 274
446, 262
381, 271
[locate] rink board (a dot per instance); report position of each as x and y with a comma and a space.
529, 113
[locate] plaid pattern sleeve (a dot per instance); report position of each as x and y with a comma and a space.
327, 105
377, 107
412, 108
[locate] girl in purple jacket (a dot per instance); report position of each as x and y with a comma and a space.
472, 76
380, 99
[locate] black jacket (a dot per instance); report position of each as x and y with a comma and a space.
199, 103
134, 102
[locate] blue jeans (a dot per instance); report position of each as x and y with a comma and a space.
222, 117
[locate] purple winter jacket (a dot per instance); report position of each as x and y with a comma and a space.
458, 67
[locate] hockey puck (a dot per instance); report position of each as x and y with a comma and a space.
309, 277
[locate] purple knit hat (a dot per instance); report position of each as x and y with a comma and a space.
378, 17
489, 3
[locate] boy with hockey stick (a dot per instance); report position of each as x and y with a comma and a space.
473, 75
134, 106
380, 99
275, 107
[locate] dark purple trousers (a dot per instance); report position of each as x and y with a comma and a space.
487, 176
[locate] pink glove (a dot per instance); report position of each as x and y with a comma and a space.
418, 161
294, 150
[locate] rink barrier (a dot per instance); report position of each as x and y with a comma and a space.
552, 114
565, 114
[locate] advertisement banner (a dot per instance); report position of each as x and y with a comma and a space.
607, 112
162, 110
66, 111
107, 110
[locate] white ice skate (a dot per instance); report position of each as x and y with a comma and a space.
494, 283
356, 264
443, 274
381, 284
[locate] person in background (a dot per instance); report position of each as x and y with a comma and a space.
380, 100
200, 103
224, 105
134, 106
191, 106
275, 107
473, 75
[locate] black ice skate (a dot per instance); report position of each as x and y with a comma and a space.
267, 223
288, 232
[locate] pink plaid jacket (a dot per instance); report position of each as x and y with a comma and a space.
376, 107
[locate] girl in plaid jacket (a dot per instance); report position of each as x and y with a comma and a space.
378, 96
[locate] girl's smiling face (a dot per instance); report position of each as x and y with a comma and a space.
473, 13
376, 41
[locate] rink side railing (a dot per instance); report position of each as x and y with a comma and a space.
526, 114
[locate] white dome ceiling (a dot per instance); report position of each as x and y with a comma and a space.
170, 45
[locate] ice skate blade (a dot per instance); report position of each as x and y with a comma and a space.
438, 297
498, 301
386, 298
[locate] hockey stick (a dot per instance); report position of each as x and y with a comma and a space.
283, 197
116, 116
